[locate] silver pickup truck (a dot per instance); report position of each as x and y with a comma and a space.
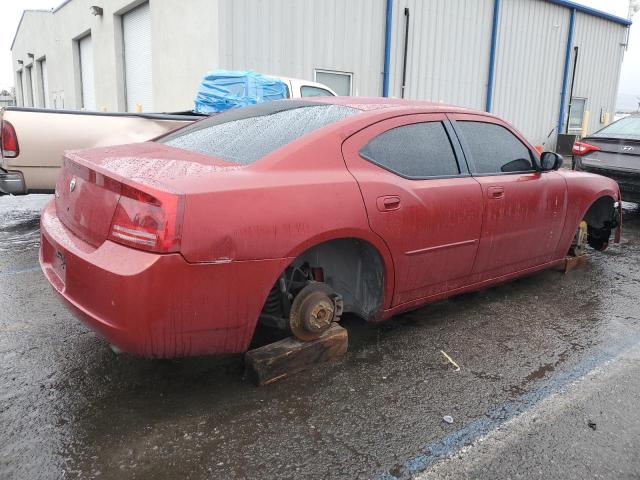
34, 140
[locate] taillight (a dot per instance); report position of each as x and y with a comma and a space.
581, 148
147, 221
9, 140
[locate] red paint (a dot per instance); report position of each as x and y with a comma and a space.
230, 231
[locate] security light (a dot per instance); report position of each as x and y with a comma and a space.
95, 10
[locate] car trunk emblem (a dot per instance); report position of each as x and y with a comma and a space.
627, 148
72, 185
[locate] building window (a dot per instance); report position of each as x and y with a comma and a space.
576, 114
339, 82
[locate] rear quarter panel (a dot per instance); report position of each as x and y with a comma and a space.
278, 208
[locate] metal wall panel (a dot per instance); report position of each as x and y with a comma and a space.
294, 37
532, 40
448, 50
598, 70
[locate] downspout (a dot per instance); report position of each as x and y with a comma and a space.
406, 51
573, 82
387, 49
492, 54
565, 75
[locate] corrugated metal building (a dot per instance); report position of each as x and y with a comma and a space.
516, 58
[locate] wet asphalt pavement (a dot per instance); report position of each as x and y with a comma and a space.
71, 408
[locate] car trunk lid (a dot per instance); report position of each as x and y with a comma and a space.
92, 182
613, 154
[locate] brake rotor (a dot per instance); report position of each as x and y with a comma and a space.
313, 311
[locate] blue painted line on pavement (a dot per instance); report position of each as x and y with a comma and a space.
467, 435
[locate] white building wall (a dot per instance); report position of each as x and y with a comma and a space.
184, 39
600, 50
448, 54
448, 50
532, 41
293, 37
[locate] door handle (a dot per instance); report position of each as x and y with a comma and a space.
388, 203
495, 192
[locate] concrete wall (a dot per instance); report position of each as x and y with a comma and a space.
184, 47
448, 51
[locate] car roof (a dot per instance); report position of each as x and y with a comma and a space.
375, 103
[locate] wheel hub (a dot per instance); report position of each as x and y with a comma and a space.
313, 311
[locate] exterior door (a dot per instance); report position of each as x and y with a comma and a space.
524, 209
420, 199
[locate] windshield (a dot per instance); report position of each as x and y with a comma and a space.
628, 127
248, 134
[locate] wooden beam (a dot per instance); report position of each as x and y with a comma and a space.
286, 357
571, 263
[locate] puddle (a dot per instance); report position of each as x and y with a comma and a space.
20, 221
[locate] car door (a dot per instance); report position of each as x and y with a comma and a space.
524, 209
420, 198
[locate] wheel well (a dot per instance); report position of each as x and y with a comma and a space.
601, 213
601, 218
352, 267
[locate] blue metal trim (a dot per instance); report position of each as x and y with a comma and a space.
567, 64
492, 54
387, 49
592, 11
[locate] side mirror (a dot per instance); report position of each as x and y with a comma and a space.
550, 161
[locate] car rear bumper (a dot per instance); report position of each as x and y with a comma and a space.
155, 305
11, 183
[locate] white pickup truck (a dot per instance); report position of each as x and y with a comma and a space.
34, 140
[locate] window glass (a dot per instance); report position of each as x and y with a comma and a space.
495, 149
576, 114
309, 91
417, 150
237, 137
337, 81
628, 127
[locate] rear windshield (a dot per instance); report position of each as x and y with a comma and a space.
628, 127
248, 134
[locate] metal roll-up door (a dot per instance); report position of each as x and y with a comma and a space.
45, 82
86, 73
34, 87
136, 28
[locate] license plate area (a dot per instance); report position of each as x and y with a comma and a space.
59, 265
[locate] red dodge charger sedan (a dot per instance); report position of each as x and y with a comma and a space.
292, 212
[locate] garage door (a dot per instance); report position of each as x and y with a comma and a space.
86, 73
136, 27
45, 82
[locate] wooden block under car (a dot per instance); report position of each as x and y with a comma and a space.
571, 263
283, 358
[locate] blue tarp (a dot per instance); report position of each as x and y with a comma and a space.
222, 90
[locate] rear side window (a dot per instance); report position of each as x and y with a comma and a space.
416, 151
628, 127
494, 149
245, 139
309, 91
